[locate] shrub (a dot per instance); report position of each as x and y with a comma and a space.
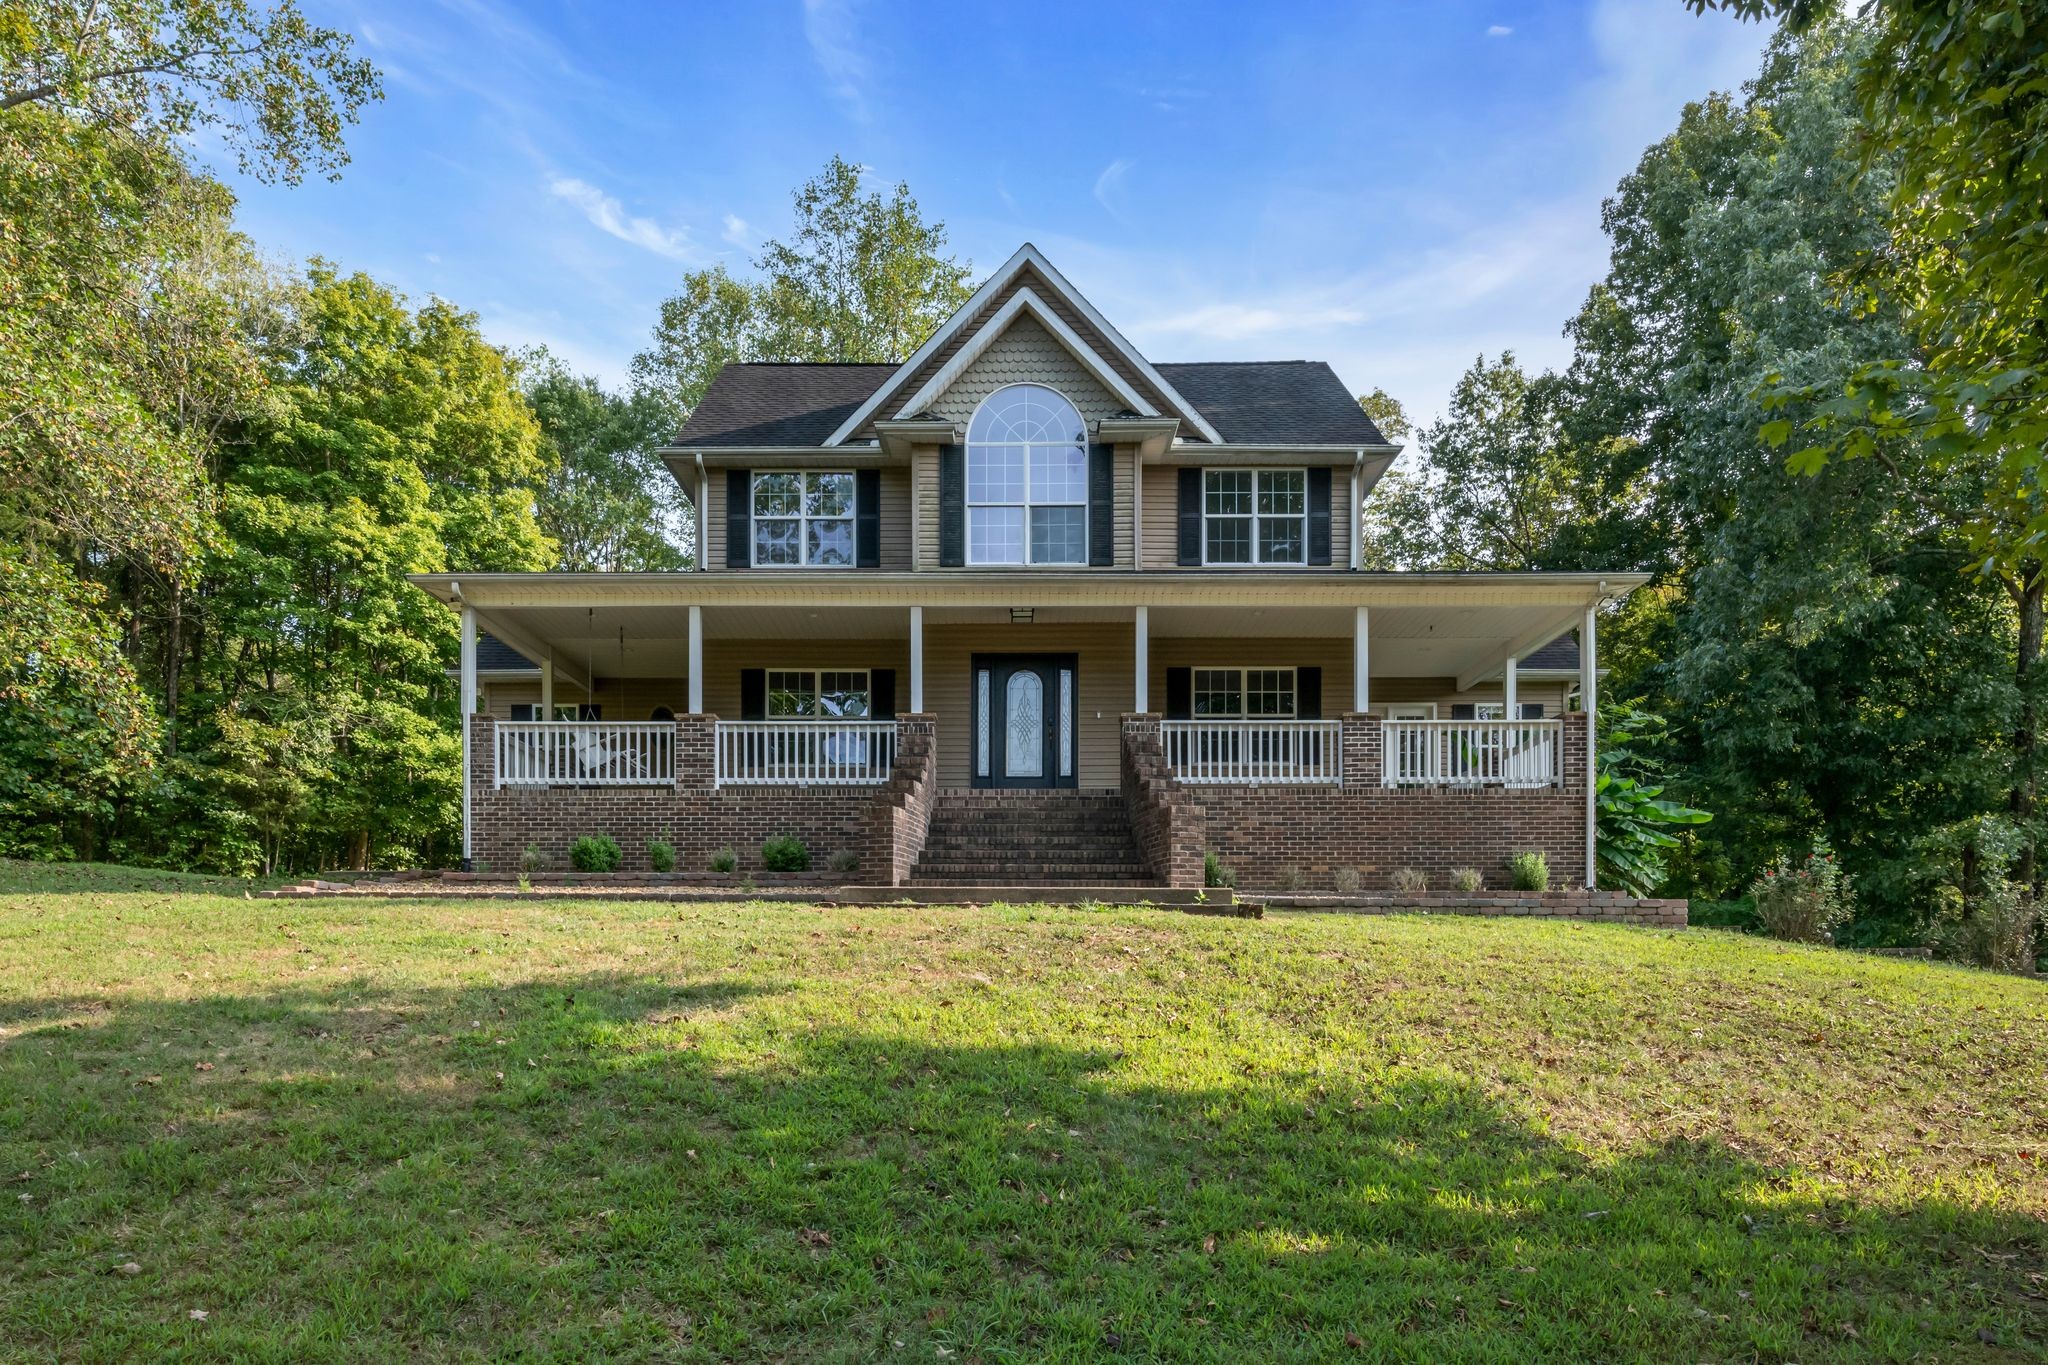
661, 855
844, 862
1410, 880
1529, 872
2002, 928
1467, 879
724, 860
1214, 873
1347, 880
785, 853
1806, 901
532, 860
1292, 878
595, 853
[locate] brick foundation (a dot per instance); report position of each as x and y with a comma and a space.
1610, 907
1166, 824
881, 825
1299, 838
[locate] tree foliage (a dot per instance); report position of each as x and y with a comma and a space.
609, 504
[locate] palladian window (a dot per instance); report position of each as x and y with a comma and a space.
1027, 479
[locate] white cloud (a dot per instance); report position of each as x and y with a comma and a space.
1109, 186
834, 35
735, 229
606, 214
1498, 30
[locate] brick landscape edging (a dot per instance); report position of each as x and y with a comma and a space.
1609, 906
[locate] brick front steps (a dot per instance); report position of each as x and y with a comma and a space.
1610, 907
1079, 840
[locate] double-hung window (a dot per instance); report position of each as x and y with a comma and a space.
818, 694
1244, 693
1255, 516
1027, 479
803, 519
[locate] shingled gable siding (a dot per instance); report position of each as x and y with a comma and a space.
1162, 507
1028, 277
895, 485
1027, 354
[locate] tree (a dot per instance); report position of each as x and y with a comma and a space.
275, 88
862, 278
608, 504
1387, 414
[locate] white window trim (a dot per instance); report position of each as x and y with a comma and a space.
802, 520
1427, 708
1256, 516
968, 505
1243, 691
817, 690
1481, 708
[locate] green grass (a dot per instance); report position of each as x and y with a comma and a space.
538, 1128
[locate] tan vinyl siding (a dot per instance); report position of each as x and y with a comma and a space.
895, 528
1102, 694
1162, 518
620, 698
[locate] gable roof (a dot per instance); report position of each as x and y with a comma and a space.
1277, 402
495, 656
1248, 402
1561, 654
762, 403
1028, 262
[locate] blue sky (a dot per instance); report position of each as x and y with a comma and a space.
1392, 187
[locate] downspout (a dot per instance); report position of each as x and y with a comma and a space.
1357, 511
703, 516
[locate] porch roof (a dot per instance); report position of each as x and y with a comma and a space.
1421, 625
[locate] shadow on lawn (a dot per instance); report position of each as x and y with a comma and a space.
627, 1166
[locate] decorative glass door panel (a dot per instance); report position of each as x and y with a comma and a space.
1024, 730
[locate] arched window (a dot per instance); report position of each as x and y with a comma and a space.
1027, 479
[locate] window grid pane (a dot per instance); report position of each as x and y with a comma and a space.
778, 495
1269, 692
792, 694
1059, 535
777, 542
997, 534
804, 518
1281, 541
1230, 540
1027, 463
1218, 692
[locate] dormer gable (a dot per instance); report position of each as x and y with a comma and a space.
1026, 286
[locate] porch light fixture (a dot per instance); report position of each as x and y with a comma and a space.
1021, 616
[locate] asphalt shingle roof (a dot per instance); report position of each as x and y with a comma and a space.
1277, 402
1563, 652
494, 654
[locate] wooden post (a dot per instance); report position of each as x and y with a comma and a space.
468, 709
1361, 662
696, 661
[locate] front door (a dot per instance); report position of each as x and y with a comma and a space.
1023, 711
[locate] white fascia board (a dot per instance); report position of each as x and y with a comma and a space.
1025, 301
1024, 255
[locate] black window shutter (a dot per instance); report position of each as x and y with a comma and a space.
1308, 694
739, 518
1464, 710
1532, 710
1319, 516
1180, 694
590, 710
952, 507
1190, 517
867, 518
1101, 505
882, 693
525, 710
753, 694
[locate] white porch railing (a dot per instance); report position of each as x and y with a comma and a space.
586, 753
1472, 753
1254, 751
805, 752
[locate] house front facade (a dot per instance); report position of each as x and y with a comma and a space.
1029, 609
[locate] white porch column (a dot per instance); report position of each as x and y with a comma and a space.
917, 661
468, 708
1589, 687
1361, 663
1141, 659
696, 661
547, 686
1513, 712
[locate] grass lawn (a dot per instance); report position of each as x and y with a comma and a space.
372, 1130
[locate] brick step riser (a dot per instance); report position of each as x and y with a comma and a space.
1085, 838
1020, 871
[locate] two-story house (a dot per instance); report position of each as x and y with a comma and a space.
1030, 609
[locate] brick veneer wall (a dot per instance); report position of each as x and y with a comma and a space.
695, 815
1611, 907
903, 808
1166, 823
1272, 835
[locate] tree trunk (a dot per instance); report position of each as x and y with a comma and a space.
359, 850
2028, 598
174, 659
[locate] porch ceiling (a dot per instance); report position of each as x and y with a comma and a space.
641, 641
